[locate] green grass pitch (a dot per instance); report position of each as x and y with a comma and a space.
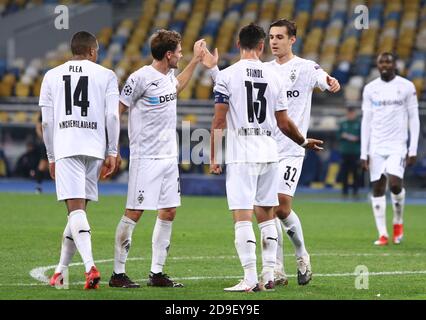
339, 237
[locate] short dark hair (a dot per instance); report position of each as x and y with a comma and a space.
82, 42
290, 25
250, 36
163, 41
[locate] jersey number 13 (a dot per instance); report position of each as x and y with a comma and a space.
256, 108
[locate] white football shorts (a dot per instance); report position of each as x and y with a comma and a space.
251, 184
393, 164
289, 170
153, 184
77, 177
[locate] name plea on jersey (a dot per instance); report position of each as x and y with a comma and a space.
75, 69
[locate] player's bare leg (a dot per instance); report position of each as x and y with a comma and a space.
398, 202
80, 230
123, 241
245, 243
378, 202
292, 226
160, 248
269, 237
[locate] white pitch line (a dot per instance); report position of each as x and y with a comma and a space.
315, 275
39, 273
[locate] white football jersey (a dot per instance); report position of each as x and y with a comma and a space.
255, 92
151, 98
389, 103
301, 77
77, 90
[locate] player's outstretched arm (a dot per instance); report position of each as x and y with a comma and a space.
333, 84
210, 61
287, 126
184, 77
216, 133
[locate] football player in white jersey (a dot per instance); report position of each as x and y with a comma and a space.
390, 109
79, 105
150, 95
301, 78
250, 102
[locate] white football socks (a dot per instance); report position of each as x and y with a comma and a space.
245, 243
160, 244
80, 231
279, 264
123, 241
379, 211
67, 250
269, 236
293, 228
398, 202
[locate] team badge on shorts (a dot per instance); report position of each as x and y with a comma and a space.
140, 197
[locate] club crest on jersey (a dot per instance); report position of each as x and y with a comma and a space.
293, 75
127, 90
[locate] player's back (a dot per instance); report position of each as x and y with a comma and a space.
77, 90
255, 92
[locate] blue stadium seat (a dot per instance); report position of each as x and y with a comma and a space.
3, 67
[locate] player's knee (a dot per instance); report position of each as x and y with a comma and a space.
395, 188
168, 214
282, 211
134, 215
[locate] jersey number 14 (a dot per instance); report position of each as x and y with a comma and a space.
79, 96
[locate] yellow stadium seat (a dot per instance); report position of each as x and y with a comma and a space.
419, 84
19, 117
203, 92
9, 79
4, 116
6, 89
22, 90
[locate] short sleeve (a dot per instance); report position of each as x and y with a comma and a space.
45, 93
221, 85
129, 93
112, 86
411, 99
319, 77
366, 100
